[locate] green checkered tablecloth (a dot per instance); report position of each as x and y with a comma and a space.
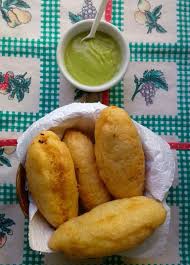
31, 86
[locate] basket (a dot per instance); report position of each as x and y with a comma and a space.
21, 191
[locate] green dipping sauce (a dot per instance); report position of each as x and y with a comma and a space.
92, 62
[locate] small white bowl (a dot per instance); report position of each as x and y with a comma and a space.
105, 27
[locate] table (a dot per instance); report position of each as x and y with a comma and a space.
31, 86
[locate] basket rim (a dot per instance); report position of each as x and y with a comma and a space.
22, 193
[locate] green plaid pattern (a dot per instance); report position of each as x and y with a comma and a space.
29, 256
8, 194
116, 93
45, 49
164, 125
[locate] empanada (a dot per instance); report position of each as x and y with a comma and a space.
110, 228
119, 154
92, 191
51, 178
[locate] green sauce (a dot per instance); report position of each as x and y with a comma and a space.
92, 62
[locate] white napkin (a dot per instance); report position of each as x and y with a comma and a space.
160, 169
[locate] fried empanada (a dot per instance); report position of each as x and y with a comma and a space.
51, 178
92, 191
110, 228
119, 154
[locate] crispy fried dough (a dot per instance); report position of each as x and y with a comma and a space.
119, 153
110, 228
51, 178
91, 188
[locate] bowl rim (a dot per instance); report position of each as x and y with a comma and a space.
110, 83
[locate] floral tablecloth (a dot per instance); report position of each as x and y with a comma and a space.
154, 91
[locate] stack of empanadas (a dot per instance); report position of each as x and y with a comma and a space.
106, 178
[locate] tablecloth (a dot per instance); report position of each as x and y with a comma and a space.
154, 91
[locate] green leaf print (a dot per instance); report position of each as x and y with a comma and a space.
136, 80
156, 11
74, 18
148, 85
6, 222
4, 16
14, 13
1, 77
1, 151
5, 229
2, 234
12, 94
18, 86
88, 11
149, 18
20, 94
22, 4
2, 215
5, 161
7, 4
157, 77
27, 84
160, 29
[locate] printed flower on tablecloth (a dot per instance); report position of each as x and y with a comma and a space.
145, 16
88, 11
5, 224
14, 85
148, 85
14, 13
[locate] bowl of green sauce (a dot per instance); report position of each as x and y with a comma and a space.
93, 65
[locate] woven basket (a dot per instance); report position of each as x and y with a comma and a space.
21, 191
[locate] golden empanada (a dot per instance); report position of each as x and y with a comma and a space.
110, 228
119, 153
51, 178
91, 188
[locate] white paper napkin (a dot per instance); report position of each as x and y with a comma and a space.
160, 169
